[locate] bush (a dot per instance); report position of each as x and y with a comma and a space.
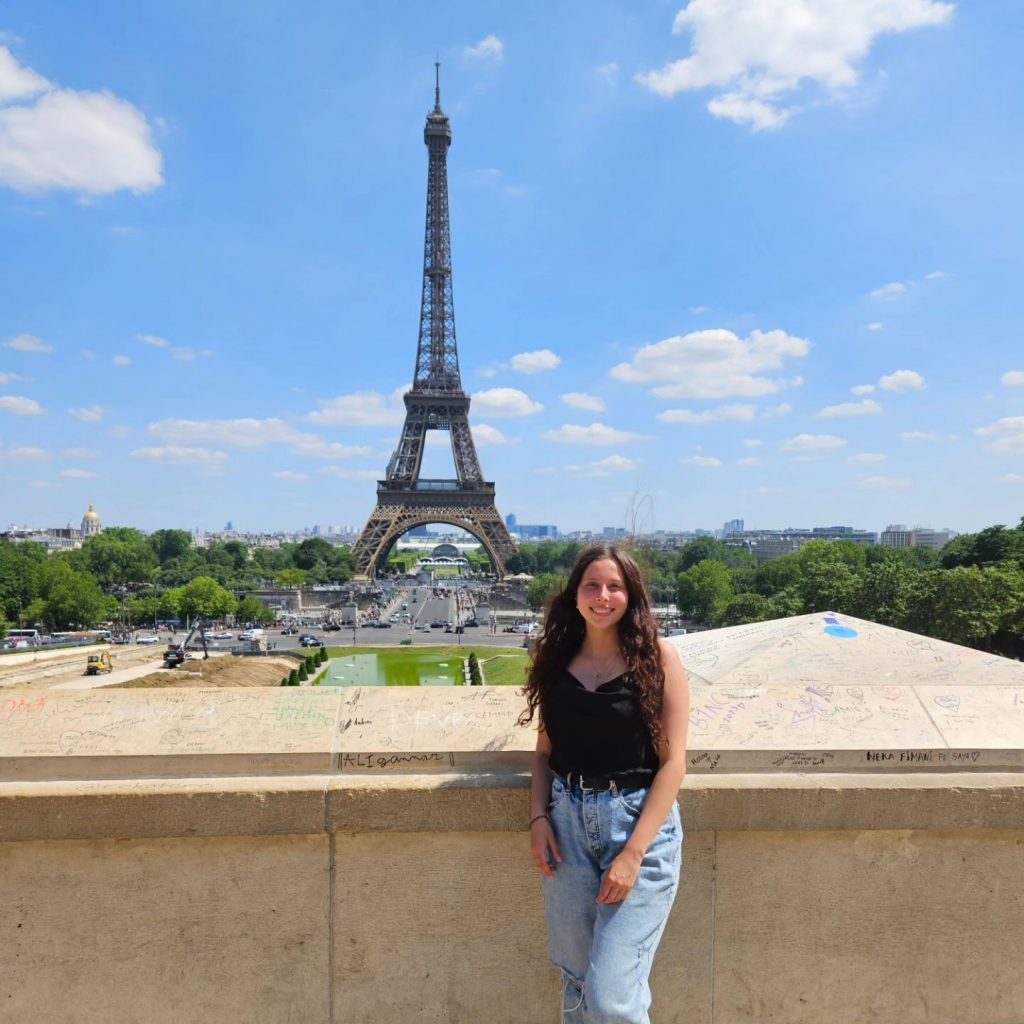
303, 673
476, 677
293, 677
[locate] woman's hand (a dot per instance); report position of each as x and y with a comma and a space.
543, 846
620, 877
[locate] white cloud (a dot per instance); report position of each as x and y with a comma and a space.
1013, 377
752, 442
768, 490
615, 464
251, 434
484, 434
750, 460
27, 453
16, 82
535, 362
609, 72
764, 54
936, 275
91, 414
81, 453
875, 325
777, 411
918, 435
152, 339
580, 400
86, 354
700, 460
121, 361
287, 474
26, 342
888, 291
182, 454
504, 402
184, 353
883, 483
55, 138
737, 413
901, 380
714, 364
488, 371
862, 389
596, 433
20, 406
865, 407
120, 431
1009, 435
812, 443
362, 409
489, 48
1010, 478
11, 378
862, 457
77, 474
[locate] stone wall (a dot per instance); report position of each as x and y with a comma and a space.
317, 899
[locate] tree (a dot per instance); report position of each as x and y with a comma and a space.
291, 577
990, 546
541, 588
72, 600
168, 544
777, 574
206, 598
21, 567
252, 610
887, 593
829, 586
704, 591
118, 555
744, 608
700, 550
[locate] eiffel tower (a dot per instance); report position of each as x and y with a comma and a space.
435, 402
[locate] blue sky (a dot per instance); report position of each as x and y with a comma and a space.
711, 260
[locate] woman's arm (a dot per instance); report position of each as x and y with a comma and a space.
542, 835
675, 717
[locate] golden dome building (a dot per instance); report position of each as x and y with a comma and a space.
91, 525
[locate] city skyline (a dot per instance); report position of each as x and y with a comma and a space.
695, 278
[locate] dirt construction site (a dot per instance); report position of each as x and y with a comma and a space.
138, 667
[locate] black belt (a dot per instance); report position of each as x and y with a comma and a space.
623, 780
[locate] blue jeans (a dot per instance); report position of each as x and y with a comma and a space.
604, 951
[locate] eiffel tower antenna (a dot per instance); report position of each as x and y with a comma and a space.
436, 400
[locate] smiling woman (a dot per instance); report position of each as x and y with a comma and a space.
604, 824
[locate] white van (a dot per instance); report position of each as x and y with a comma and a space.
251, 634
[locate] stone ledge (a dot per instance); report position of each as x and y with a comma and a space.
317, 804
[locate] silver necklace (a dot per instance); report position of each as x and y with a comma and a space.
602, 669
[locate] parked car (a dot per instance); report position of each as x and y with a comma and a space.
424, 628
311, 641
290, 631
148, 640
97, 663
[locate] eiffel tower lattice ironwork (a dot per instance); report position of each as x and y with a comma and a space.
435, 402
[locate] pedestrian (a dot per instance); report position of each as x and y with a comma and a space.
612, 705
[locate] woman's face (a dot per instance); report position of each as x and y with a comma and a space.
602, 598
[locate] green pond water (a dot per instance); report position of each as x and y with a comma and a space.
394, 668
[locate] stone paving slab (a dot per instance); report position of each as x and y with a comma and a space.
812, 693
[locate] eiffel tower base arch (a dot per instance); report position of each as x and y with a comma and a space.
395, 515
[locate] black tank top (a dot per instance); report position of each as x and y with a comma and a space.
597, 732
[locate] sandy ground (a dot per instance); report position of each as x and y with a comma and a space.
222, 670
143, 666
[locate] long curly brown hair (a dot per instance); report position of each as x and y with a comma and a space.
564, 630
